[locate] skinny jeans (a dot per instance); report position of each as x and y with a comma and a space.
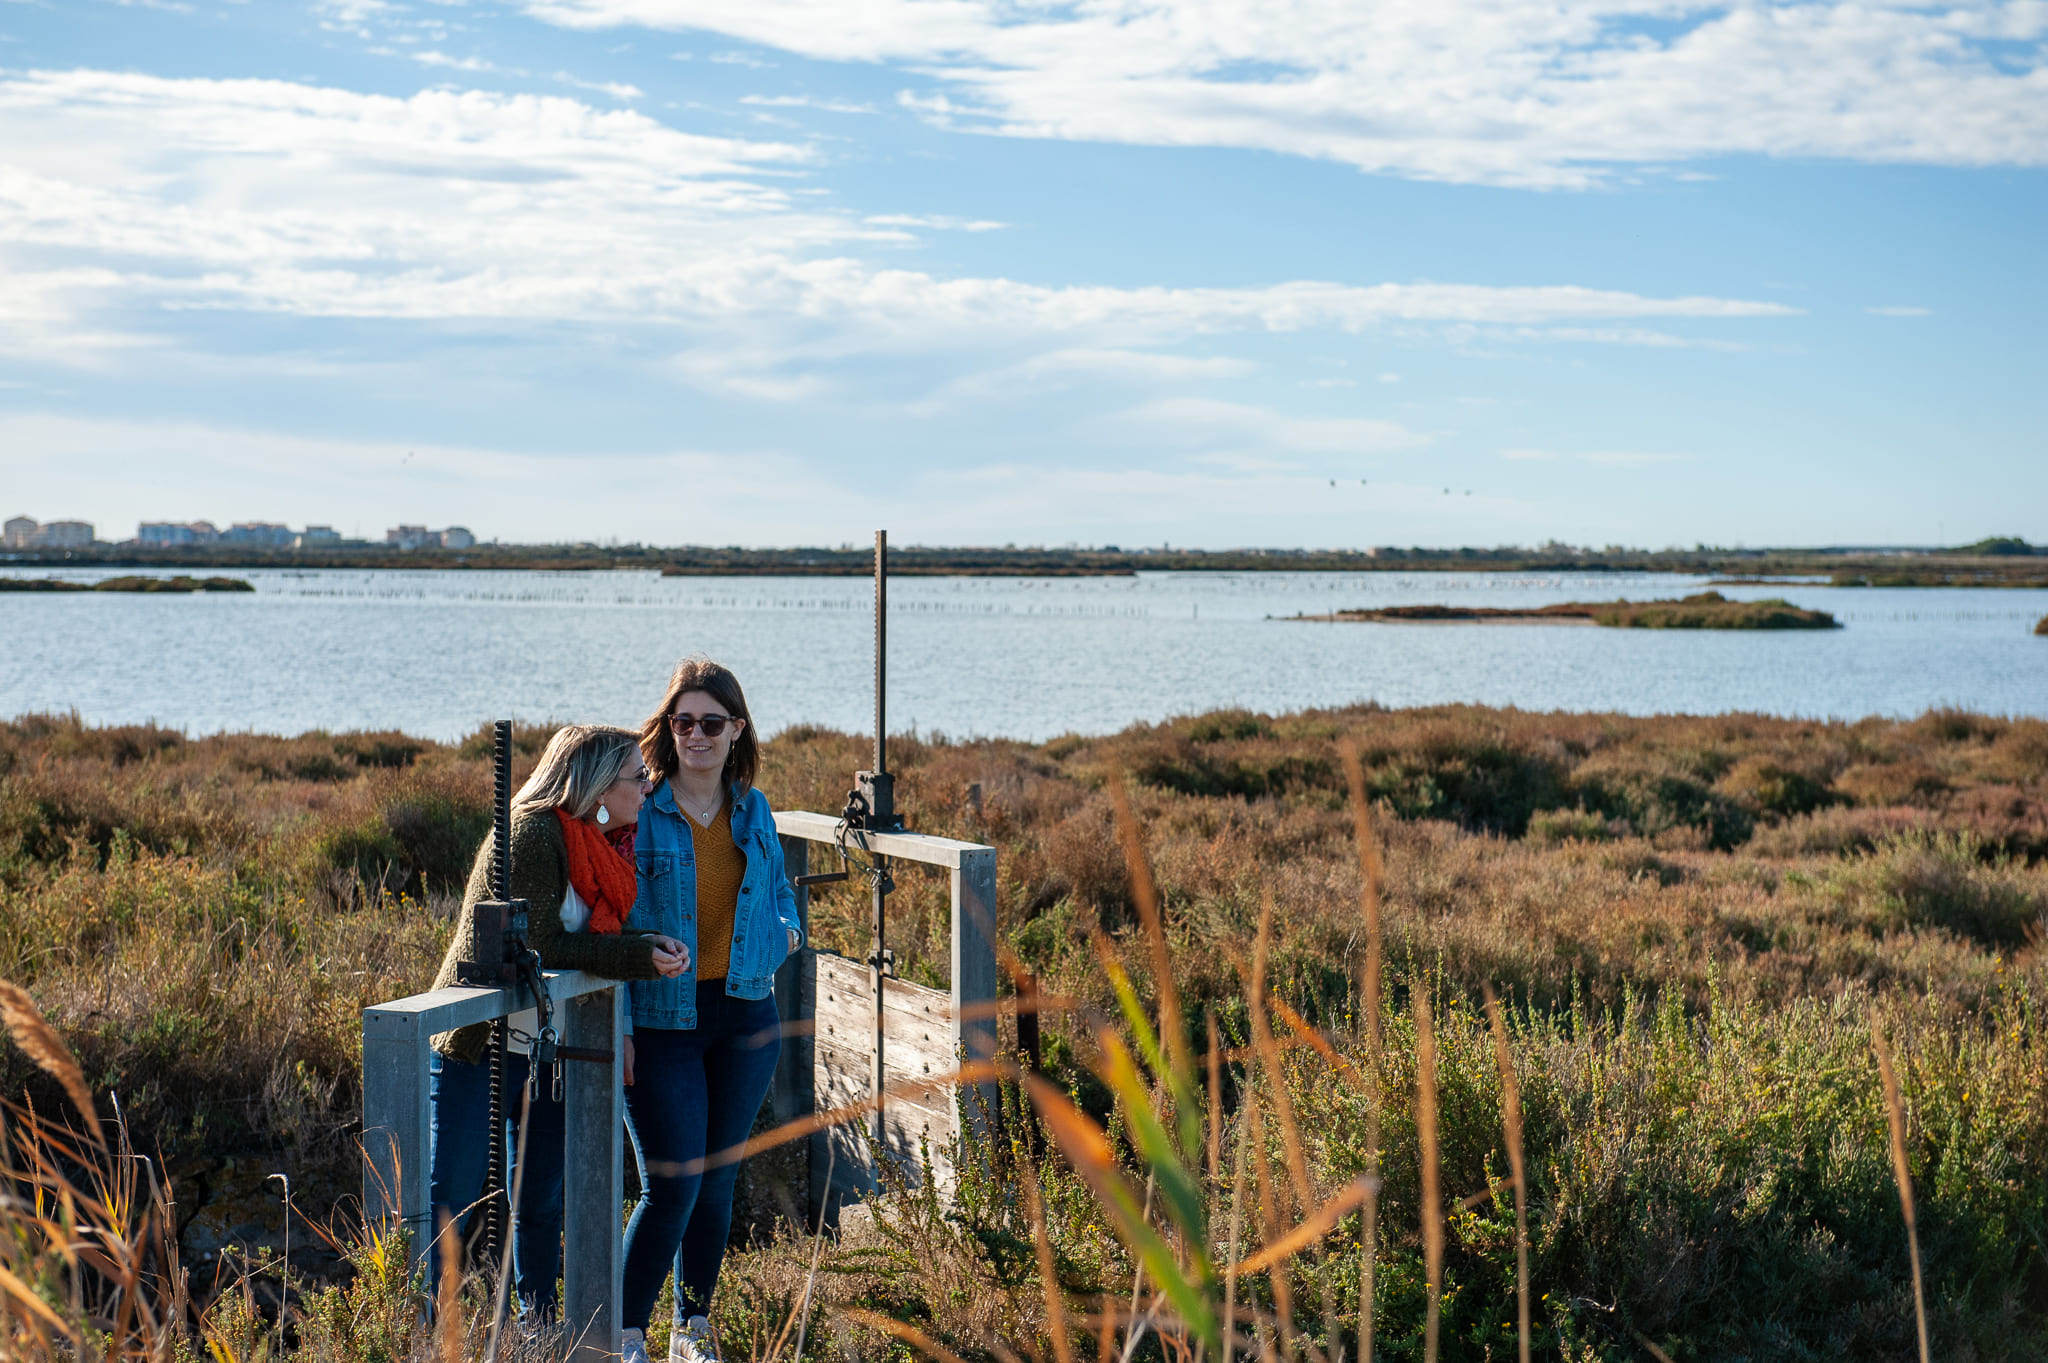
694, 1091
462, 1129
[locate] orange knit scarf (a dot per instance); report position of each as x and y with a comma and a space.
603, 877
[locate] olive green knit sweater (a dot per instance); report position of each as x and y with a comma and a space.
540, 876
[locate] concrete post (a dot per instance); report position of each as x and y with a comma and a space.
593, 1180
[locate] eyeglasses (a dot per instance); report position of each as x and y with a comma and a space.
712, 725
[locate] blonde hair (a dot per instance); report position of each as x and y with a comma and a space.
579, 766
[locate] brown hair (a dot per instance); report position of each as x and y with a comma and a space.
658, 744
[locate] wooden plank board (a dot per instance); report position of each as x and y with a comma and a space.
919, 1043
919, 1037
842, 1078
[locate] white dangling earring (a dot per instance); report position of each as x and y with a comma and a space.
604, 816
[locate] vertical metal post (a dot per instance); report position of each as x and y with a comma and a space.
879, 961
498, 1175
593, 1179
881, 650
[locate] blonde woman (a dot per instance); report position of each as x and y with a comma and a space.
573, 826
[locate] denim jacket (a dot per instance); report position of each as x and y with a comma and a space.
667, 903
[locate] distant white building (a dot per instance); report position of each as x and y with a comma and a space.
23, 533
65, 535
261, 534
419, 537
171, 534
317, 537
412, 537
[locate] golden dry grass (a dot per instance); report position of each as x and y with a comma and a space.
1691, 920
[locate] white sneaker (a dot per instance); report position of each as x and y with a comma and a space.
633, 1346
692, 1343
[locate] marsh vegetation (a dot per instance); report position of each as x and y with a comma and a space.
1703, 610
1692, 923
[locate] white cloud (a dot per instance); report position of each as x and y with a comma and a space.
830, 106
1216, 427
1899, 311
141, 198
448, 63
618, 90
1612, 458
1518, 92
1077, 367
936, 222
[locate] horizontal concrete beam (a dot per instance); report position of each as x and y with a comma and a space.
443, 1010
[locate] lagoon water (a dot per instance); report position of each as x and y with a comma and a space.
438, 653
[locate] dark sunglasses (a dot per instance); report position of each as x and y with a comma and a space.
712, 725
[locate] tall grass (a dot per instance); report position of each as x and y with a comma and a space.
1691, 921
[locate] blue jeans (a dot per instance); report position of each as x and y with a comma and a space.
462, 1125
694, 1091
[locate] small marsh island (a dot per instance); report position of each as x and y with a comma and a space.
149, 585
1704, 610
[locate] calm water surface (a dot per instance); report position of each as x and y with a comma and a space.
437, 653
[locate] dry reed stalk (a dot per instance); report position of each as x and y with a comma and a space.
1215, 1123
1895, 1113
39, 1042
1314, 1040
1371, 875
1105, 1331
1269, 1230
1283, 1102
1318, 1224
803, 1307
1138, 1273
448, 1331
909, 1334
1048, 1270
1432, 1192
1236, 1226
973, 1072
1146, 894
1511, 1118
1269, 1054
1369, 1234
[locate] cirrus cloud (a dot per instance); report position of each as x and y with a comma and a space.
1542, 93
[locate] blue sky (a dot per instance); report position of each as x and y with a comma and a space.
1276, 272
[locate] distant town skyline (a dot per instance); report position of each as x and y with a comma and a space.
1216, 274
25, 532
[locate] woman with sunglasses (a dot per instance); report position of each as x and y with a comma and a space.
572, 862
706, 1040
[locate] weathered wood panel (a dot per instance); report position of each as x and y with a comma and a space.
918, 1043
917, 1022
